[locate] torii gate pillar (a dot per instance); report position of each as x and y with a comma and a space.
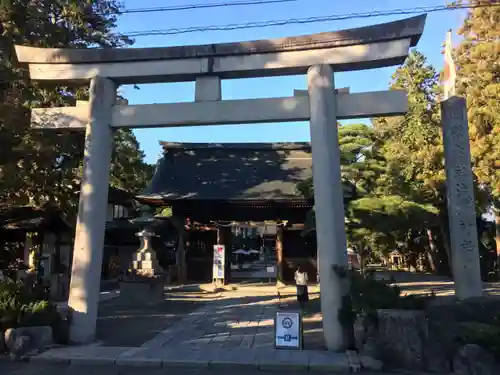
328, 195
92, 209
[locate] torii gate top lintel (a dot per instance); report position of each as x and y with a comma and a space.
352, 49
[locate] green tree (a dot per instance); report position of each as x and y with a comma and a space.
44, 167
129, 171
412, 146
380, 222
478, 78
360, 160
377, 219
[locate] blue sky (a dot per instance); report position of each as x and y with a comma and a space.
367, 80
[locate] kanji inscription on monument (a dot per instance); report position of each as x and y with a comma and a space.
460, 194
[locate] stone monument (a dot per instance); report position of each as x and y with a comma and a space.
460, 198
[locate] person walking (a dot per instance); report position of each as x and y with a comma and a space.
301, 284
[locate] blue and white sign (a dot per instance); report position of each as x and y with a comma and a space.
219, 262
288, 330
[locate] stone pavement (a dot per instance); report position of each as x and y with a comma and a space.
231, 330
125, 324
16, 368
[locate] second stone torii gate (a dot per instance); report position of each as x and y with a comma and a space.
317, 55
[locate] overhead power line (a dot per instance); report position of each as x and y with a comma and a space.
319, 19
177, 8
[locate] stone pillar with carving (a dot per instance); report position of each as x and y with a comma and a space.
460, 197
144, 261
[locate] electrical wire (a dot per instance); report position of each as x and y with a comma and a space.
177, 8
348, 16
319, 19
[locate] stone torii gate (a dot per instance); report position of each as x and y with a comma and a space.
317, 56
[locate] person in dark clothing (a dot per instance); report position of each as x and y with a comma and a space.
301, 284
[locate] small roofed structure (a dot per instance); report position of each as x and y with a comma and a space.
233, 181
30, 219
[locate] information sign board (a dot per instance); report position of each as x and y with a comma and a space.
288, 332
219, 262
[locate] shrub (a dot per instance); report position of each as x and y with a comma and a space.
21, 307
475, 321
369, 294
485, 335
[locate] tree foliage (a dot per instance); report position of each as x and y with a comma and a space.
44, 167
478, 78
361, 164
377, 219
128, 169
412, 144
398, 164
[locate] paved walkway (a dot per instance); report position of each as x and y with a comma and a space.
230, 329
231, 321
201, 327
126, 324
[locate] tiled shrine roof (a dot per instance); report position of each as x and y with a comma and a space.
230, 172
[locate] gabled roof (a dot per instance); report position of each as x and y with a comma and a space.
32, 218
120, 196
230, 172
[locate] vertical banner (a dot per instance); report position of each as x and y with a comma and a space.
219, 262
450, 74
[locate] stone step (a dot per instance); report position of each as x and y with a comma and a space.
265, 360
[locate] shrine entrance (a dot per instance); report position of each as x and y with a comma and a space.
317, 56
244, 197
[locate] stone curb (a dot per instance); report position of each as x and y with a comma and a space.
213, 364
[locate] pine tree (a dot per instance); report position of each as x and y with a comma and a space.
360, 161
414, 151
377, 219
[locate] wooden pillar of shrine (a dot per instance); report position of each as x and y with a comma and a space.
179, 223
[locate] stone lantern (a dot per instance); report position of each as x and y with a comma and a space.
146, 282
144, 262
